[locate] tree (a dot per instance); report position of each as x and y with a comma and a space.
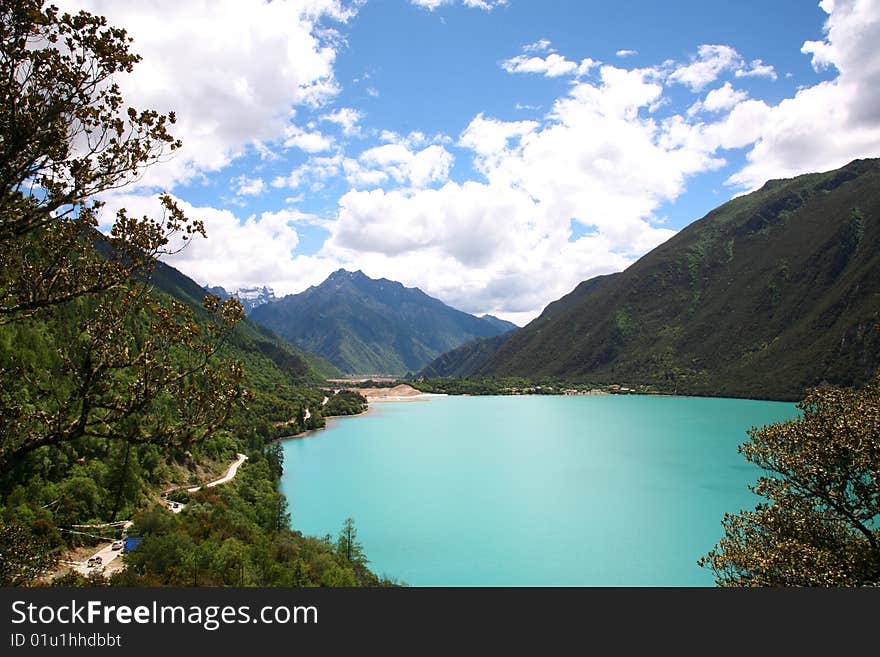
821, 526
120, 362
347, 545
24, 556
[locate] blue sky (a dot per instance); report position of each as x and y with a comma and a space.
493, 154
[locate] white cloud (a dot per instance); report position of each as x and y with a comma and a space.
488, 246
486, 5
399, 163
358, 175
249, 186
586, 65
626, 53
476, 246
757, 69
710, 62
310, 142
232, 70
541, 45
347, 118
604, 159
258, 250
490, 139
553, 65
723, 98
315, 172
831, 123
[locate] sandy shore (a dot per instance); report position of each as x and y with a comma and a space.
401, 392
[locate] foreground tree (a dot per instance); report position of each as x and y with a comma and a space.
24, 556
821, 526
111, 359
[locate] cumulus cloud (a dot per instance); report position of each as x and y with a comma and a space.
474, 245
257, 250
232, 70
399, 163
490, 138
553, 65
706, 66
757, 69
553, 201
626, 53
485, 5
313, 173
597, 160
831, 123
245, 186
485, 245
723, 98
347, 118
308, 141
541, 45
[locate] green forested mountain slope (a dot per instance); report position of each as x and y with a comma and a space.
771, 293
466, 359
367, 326
502, 324
253, 343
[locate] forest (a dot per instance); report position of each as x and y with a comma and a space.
120, 379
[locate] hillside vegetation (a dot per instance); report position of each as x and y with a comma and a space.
119, 377
367, 326
769, 294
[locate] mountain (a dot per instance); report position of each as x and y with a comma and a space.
249, 297
773, 292
264, 353
367, 326
501, 324
466, 359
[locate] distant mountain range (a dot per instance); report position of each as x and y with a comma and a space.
250, 297
367, 326
771, 293
263, 352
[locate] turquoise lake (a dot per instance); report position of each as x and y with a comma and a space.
531, 490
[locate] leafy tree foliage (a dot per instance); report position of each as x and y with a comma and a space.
24, 555
821, 526
122, 364
238, 535
110, 388
344, 402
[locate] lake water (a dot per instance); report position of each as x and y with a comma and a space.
531, 491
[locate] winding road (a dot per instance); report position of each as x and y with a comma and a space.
106, 551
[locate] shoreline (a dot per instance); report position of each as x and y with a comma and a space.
371, 399
309, 432
421, 397
426, 396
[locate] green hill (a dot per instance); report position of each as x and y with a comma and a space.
257, 346
367, 326
769, 294
466, 359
